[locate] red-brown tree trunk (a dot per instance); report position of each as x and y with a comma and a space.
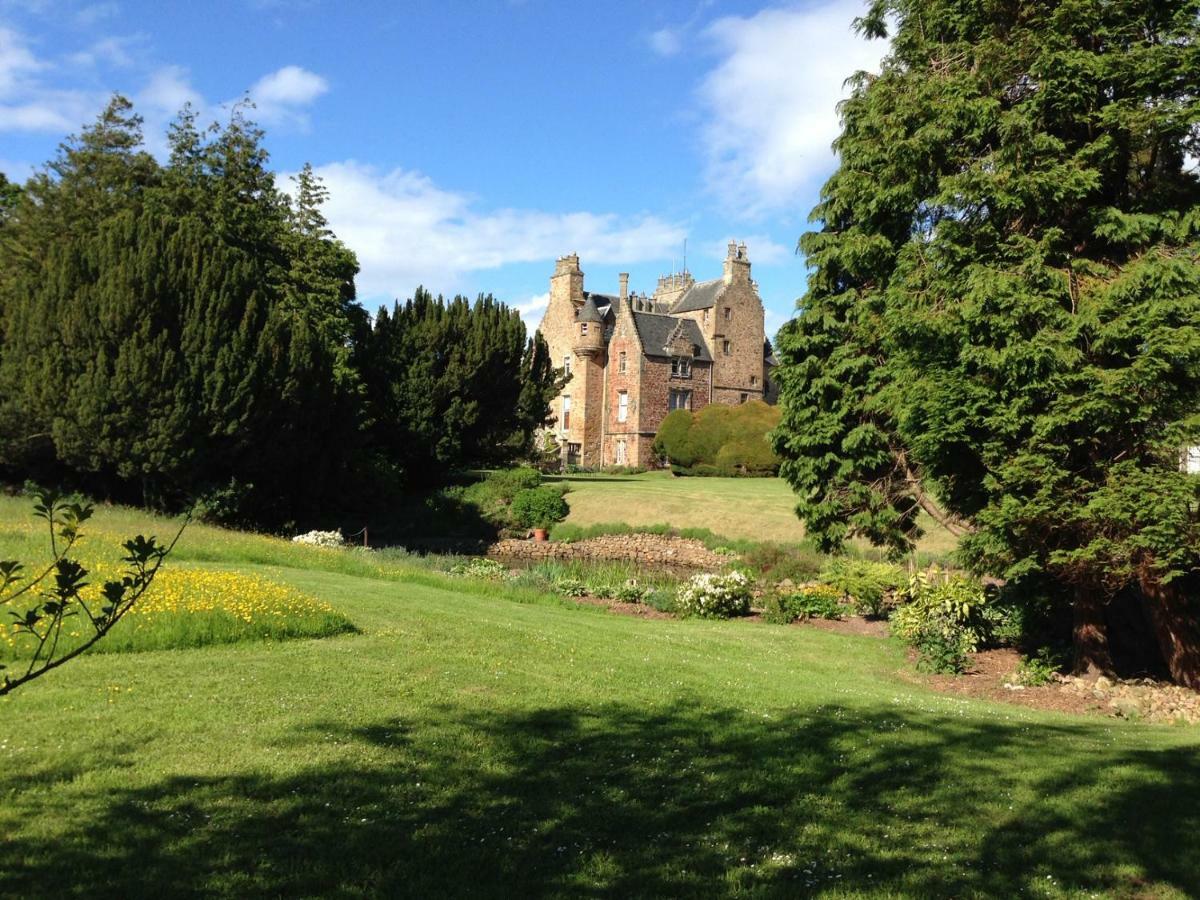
1092, 656
1174, 612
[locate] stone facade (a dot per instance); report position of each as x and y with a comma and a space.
632, 358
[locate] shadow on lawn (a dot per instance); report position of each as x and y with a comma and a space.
623, 802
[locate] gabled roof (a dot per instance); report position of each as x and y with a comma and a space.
702, 295
655, 332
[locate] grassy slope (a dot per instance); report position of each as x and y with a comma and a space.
759, 509
466, 744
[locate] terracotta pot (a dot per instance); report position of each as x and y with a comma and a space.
540, 534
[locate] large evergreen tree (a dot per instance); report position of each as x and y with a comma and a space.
170, 330
453, 384
1002, 322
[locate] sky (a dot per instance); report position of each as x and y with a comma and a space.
468, 143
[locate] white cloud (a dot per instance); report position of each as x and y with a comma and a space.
531, 310
280, 96
17, 61
408, 231
771, 101
167, 91
666, 41
112, 51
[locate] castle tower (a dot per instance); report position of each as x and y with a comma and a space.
588, 375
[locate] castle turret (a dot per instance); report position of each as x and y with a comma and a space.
589, 329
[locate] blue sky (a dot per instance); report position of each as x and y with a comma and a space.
467, 144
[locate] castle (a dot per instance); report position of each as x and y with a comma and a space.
633, 358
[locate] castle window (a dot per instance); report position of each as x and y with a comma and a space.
728, 314
623, 406
753, 380
706, 317
622, 453
583, 328
725, 347
681, 367
621, 362
680, 400
566, 422
744, 398
567, 366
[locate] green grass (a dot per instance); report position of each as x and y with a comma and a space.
487, 740
751, 509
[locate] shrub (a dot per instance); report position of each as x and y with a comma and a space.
480, 568
571, 587
506, 482
946, 617
869, 585
539, 507
713, 596
720, 440
632, 592
779, 562
812, 601
321, 538
1040, 668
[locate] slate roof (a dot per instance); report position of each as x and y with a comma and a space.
702, 295
605, 304
655, 330
588, 312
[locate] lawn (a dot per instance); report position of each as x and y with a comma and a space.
757, 509
472, 741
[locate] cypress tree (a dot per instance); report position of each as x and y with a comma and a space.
1002, 322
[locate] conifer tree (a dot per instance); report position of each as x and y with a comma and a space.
1002, 322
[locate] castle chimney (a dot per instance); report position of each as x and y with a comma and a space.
737, 263
624, 279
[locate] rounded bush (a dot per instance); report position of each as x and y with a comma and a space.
538, 507
710, 596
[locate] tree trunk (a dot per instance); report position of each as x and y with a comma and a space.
1092, 656
1174, 614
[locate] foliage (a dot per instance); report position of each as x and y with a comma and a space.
1006, 333
810, 601
538, 507
868, 584
481, 567
571, 587
171, 329
944, 617
190, 330
1041, 668
714, 595
321, 538
43, 604
720, 440
632, 591
451, 384
783, 562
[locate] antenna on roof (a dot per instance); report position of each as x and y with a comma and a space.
685, 254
